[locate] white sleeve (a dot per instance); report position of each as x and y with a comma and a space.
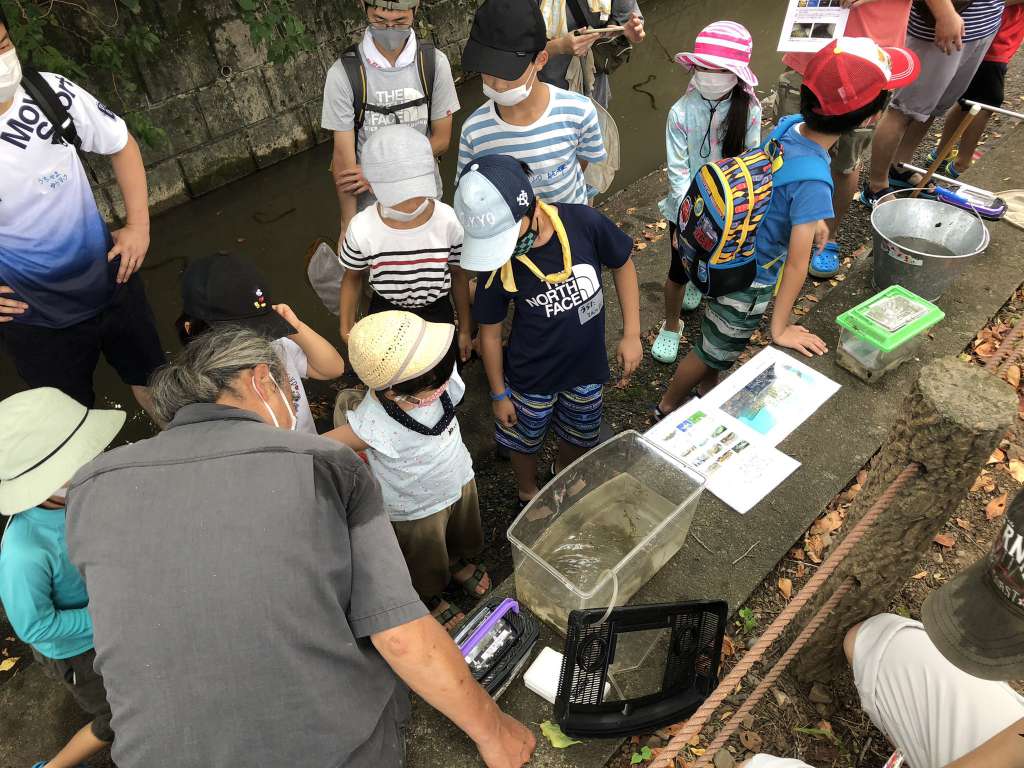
456, 387
338, 112
100, 130
294, 358
365, 422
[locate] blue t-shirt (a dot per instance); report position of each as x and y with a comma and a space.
791, 205
557, 340
41, 590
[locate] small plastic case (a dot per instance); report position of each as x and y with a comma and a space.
496, 642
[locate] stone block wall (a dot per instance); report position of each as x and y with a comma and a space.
226, 111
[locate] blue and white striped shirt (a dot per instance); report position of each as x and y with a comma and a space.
981, 19
552, 146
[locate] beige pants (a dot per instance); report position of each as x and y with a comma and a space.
431, 543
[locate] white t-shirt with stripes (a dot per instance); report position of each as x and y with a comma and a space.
552, 146
981, 19
408, 267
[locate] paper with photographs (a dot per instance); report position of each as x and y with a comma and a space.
810, 24
772, 394
741, 469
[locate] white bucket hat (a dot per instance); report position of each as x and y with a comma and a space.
45, 437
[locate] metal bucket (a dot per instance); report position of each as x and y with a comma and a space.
923, 244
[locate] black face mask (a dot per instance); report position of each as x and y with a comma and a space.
392, 409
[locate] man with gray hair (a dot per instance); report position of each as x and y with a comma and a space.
250, 601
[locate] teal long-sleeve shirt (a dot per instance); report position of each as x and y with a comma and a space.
42, 592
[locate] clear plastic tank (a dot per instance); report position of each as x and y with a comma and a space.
602, 528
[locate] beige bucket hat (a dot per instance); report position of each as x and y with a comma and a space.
45, 437
390, 347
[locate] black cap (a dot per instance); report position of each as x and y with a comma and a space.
224, 288
505, 37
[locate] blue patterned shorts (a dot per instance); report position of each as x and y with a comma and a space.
576, 413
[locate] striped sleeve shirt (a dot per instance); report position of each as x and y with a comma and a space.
408, 267
981, 19
552, 146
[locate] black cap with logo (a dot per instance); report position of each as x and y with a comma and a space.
977, 619
224, 288
505, 37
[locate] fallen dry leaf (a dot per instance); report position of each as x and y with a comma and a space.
811, 298
631, 211
786, 587
984, 482
8, 664
796, 553
799, 311
997, 457
1013, 376
1016, 469
862, 477
750, 740
962, 523
814, 546
853, 491
800, 570
827, 523
728, 647
985, 349
640, 246
662, 224
996, 507
944, 540
919, 575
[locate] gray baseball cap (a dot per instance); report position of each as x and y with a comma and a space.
399, 165
493, 196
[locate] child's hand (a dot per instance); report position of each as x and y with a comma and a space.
799, 338
630, 353
821, 234
465, 345
504, 412
286, 312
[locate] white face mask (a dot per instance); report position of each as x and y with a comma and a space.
714, 85
10, 75
287, 405
396, 215
512, 96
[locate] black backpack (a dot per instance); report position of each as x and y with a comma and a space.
45, 97
426, 65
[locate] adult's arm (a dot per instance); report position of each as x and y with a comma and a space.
949, 26
343, 168
1005, 749
424, 656
132, 240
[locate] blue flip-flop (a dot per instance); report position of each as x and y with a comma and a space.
825, 263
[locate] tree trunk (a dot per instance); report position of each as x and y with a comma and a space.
952, 420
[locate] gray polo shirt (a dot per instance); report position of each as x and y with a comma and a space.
235, 574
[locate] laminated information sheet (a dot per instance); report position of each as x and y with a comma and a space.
810, 24
773, 394
740, 466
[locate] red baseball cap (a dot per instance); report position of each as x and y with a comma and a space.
850, 72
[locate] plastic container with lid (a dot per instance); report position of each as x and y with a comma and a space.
602, 528
880, 333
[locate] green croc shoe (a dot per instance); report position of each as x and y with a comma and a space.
665, 348
691, 298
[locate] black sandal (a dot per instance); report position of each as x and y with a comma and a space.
449, 614
469, 585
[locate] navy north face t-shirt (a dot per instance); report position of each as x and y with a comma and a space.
557, 339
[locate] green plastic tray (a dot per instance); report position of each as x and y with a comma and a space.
891, 318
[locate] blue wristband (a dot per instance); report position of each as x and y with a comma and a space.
502, 395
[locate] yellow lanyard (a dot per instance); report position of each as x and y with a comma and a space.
508, 282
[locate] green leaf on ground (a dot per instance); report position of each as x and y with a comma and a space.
817, 732
642, 756
554, 734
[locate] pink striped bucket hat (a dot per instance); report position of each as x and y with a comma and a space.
722, 45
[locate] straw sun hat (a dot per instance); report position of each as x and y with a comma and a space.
45, 437
388, 348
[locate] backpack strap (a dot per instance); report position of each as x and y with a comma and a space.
795, 169
580, 16
43, 94
426, 66
356, 72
